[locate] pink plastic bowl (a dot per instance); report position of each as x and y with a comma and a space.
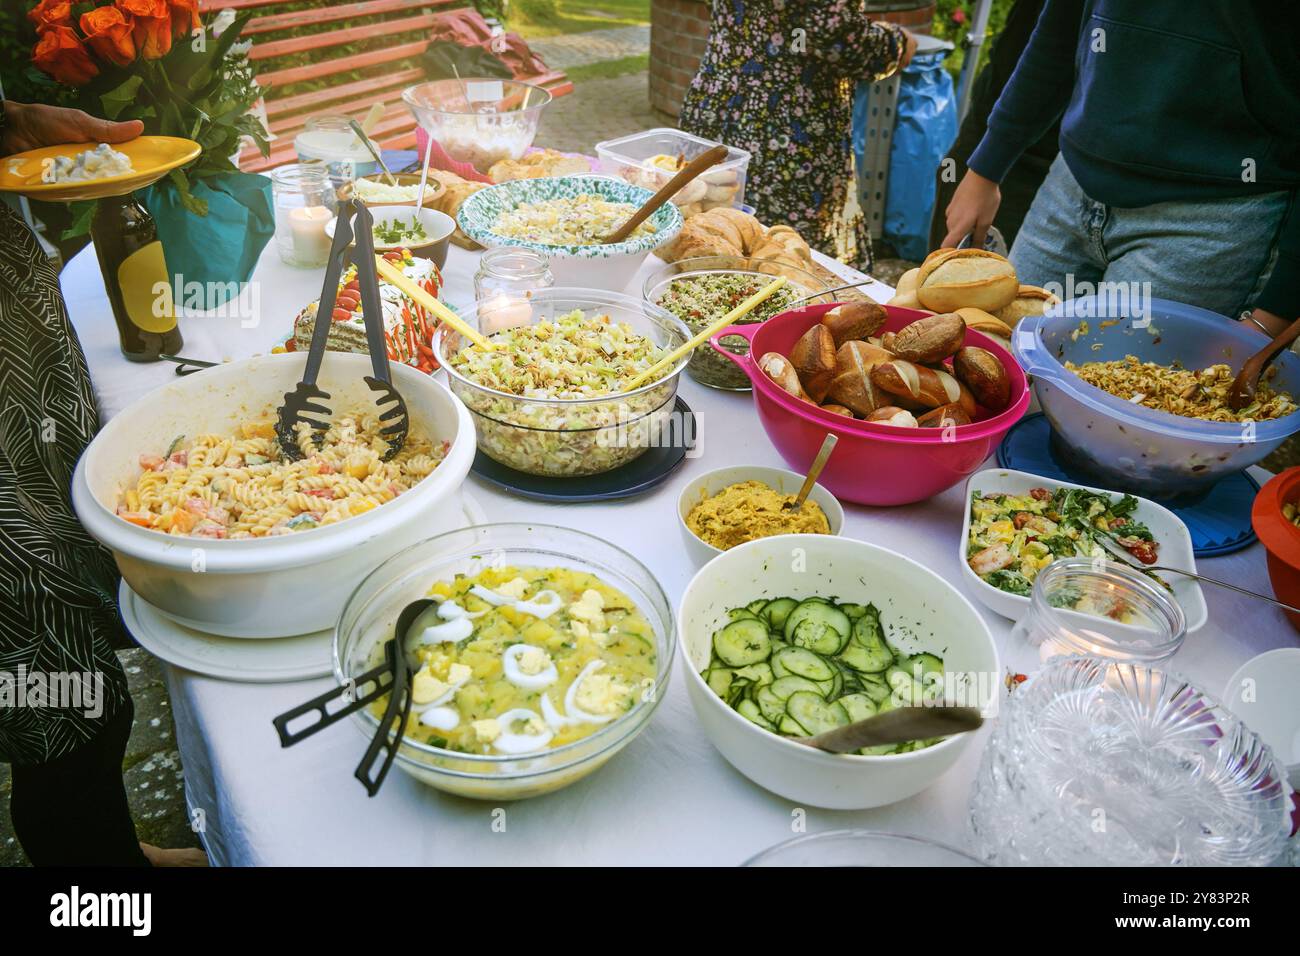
872, 464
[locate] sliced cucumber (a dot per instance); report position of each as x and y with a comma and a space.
719, 680
905, 690
857, 706
813, 714
741, 614
771, 706
756, 607
925, 663
876, 689
749, 710
790, 727
783, 687
854, 611
818, 626
760, 673
743, 642
830, 689
803, 663
866, 660
777, 610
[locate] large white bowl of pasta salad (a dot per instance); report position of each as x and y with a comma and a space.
212, 525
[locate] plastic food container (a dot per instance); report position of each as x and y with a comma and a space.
633, 158
920, 612
371, 614
1130, 447
570, 437
1280, 537
476, 122
861, 848
873, 464
706, 366
596, 265
274, 586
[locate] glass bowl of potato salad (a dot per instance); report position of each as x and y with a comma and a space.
544, 652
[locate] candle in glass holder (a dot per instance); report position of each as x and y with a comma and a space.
503, 312
310, 243
506, 279
304, 204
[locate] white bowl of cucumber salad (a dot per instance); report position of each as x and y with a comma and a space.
791, 635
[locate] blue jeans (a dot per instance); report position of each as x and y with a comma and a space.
1216, 254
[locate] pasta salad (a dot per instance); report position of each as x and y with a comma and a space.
242, 486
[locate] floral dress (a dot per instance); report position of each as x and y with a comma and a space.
777, 79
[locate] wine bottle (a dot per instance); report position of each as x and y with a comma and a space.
136, 278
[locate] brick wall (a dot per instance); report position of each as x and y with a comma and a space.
680, 28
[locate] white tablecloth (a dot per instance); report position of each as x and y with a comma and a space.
669, 798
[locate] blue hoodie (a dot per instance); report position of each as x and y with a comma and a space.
1163, 101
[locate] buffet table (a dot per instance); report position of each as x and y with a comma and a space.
670, 798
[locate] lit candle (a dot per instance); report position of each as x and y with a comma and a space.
503, 312
311, 245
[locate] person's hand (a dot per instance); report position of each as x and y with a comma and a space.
971, 210
1275, 324
33, 125
909, 48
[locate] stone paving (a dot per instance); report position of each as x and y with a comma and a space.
597, 110
594, 46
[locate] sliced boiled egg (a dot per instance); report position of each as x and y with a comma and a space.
528, 667
522, 731
441, 718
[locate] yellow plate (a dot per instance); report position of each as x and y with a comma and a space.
152, 157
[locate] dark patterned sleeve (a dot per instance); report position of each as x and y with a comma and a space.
841, 33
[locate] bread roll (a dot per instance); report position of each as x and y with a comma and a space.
852, 386
944, 416
951, 279
929, 386
813, 357
854, 321
837, 410
907, 281
1029, 300
980, 371
893, 415
778, 368
929, 340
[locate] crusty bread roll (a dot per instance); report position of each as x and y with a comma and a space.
951, 279
907, 281
1029, 300
981, 321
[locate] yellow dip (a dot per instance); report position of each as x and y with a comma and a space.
749, 510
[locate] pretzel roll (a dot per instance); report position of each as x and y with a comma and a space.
852, 386
931, 387
813, 357
893, 415
778, 368
854, 320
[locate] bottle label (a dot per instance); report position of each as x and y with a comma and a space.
146, 293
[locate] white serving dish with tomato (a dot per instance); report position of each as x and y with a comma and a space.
1173, 540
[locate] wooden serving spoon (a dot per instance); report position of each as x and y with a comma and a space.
814, 472
710, 157
896, 726
1242, 392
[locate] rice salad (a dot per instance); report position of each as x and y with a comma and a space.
581, 220
536, 397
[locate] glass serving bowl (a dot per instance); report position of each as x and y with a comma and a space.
706, 366
861, 848
1123, 614
371, 613
564, 438
1098, 763
478, 121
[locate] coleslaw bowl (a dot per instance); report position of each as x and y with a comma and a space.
873, 464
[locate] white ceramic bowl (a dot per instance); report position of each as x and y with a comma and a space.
711, 482
1263, 694
919, 610
608, 266
1168, 529
269, 587
438, 227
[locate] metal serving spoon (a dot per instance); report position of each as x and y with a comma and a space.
896, 726
1132, 562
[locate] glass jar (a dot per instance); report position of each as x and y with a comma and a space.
505, 281
1099, 763
331, 140
305, 203
1099, 609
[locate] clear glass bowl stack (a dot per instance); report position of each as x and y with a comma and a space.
1097, 763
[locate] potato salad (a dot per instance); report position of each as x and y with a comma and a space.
519, 660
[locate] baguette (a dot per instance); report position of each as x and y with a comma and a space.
931, 387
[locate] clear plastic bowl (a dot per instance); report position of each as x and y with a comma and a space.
478, 121
371, 614
563, 438
1122, 445
861, 848
630, 158
706, 366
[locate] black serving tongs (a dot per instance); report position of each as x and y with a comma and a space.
303, 399
392, 677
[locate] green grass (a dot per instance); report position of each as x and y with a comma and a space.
549, 18
608, 69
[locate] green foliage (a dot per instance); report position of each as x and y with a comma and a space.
952, 21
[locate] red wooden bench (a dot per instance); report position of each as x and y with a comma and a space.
401, 25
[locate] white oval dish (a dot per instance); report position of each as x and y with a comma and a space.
225, 587
919, 610
711, 482
1167, 528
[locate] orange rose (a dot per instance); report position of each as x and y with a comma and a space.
51, 13
108, 33
152, 26
185, 16
60, 54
